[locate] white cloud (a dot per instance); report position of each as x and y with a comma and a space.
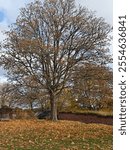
11, 8
11, 11
2, 76
104, 8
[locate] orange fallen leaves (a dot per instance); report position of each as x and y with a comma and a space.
63, 135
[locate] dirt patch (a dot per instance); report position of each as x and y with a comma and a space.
87, 118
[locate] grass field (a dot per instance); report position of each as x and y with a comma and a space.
47, 135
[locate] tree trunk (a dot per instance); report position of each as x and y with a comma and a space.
53, 107
31, 106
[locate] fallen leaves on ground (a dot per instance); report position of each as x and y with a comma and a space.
48, 135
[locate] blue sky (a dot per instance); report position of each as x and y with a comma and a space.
2, 15
9, 10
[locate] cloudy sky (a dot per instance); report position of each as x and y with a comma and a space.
9, 10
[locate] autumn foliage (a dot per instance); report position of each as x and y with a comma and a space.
47, 42
48, 135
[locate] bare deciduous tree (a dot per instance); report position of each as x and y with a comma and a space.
49, 39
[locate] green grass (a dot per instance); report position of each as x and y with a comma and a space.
47, 135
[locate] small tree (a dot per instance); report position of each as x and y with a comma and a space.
93, 86
49, 39
7, 93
